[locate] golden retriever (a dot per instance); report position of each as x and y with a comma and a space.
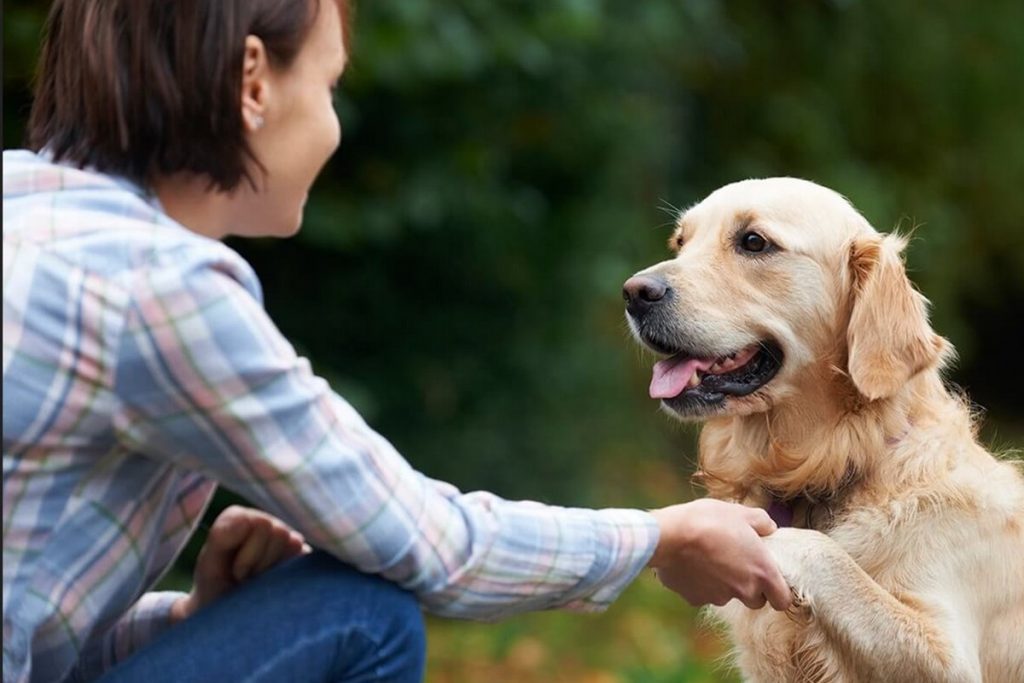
789, 325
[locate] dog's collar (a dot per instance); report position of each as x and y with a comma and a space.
816, 513
781, 513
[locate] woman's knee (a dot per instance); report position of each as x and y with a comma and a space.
369, 613
402, 635
311, 618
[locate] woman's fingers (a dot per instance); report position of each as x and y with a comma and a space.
778, 592
280, 546
710, 551
242, 543
755, 602
251, 553
270, 541
229, 532
762, 522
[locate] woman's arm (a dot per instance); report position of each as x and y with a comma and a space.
205, 380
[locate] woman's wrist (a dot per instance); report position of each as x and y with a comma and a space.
673, 532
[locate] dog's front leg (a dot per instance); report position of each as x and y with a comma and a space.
885, 639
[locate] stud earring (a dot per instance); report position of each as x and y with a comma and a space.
257, 121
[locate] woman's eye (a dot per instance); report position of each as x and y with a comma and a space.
753, 242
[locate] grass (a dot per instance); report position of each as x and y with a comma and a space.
647, 636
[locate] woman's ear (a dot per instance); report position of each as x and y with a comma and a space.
255, 83
888, 337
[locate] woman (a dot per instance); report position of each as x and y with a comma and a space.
140, 371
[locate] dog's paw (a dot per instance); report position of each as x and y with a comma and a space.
800, 554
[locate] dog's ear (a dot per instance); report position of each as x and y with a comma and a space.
889, 339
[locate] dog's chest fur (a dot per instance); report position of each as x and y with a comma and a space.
773, 647
791, 647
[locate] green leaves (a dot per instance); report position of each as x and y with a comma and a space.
503, 169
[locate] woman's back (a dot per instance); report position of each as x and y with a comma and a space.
88, 524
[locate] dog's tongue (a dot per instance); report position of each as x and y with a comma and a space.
672, 375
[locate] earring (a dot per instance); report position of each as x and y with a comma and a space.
257, 121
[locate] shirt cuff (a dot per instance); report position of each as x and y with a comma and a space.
144, 621
148, 618
625, 540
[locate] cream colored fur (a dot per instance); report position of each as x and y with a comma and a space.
919, 574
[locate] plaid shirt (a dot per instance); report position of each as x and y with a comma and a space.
140, 370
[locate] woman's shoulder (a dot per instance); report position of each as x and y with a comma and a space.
29, 174
104, 225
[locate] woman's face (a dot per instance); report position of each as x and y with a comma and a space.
299, 131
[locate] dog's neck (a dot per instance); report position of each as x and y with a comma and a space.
813, 449
803, 512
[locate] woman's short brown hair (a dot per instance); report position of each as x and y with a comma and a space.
141, 88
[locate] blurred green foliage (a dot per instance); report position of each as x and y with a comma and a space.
506, 165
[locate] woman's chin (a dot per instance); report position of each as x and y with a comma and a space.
286, 226
294, 231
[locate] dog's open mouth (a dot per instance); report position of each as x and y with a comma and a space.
685, 382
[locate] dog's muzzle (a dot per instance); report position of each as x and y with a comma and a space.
644, 292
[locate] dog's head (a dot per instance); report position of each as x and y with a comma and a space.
775, 283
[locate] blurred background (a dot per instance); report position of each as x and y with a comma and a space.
506, 165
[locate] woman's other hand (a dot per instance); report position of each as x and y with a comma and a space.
242, 543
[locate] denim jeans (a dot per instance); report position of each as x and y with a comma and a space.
309, 619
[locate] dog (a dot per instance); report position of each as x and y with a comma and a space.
789, 326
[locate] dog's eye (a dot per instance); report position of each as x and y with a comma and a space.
753, 242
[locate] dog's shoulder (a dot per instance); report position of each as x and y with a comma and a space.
977, 500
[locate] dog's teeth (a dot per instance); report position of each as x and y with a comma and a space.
694, 380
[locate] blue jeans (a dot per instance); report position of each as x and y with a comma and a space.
309, 619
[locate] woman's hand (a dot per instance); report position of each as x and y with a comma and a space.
242, 543
711, 551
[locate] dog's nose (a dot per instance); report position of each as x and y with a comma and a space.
641, 291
